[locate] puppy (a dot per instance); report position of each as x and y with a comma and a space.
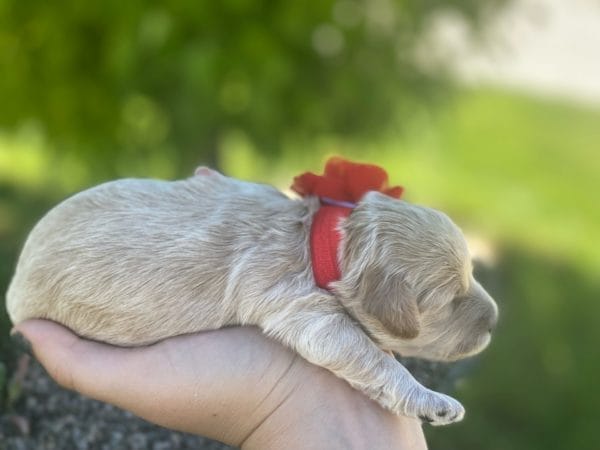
132, 261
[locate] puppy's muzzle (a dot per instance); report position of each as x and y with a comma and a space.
488, 310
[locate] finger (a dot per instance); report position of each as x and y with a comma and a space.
91, 368
190, 383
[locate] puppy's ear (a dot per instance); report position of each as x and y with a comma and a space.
387, 299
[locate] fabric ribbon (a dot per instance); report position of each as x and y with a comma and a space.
339, 189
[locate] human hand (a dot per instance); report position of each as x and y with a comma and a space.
234, 385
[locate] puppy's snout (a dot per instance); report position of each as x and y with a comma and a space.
493, 318
489, 309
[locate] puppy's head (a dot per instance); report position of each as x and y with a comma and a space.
407, 280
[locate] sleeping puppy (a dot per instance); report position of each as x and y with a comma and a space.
132, 261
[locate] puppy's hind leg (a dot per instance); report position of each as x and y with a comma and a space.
330, 339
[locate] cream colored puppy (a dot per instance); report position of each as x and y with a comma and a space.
132, 262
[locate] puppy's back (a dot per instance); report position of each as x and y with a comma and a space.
134, 261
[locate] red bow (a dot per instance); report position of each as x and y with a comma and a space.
344, 183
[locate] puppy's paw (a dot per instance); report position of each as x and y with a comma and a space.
435, 408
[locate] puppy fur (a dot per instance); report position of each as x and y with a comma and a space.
131, 262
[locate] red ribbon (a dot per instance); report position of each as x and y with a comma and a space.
341, 186
345, 181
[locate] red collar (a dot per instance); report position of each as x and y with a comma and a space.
324, 243
339, 189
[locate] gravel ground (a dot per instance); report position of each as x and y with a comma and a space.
51, 418
48, 417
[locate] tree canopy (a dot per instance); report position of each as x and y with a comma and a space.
114, 80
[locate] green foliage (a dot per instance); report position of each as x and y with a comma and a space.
114, 82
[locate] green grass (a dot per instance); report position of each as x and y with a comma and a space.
521, 169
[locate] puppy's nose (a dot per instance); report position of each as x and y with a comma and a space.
493, 317
487, 307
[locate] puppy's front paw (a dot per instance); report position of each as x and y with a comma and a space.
435, 408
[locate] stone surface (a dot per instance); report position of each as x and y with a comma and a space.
48, 417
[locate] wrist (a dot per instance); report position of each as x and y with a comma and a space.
324, 412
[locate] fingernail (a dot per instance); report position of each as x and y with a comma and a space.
21, 343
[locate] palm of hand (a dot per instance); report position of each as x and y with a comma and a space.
233, 384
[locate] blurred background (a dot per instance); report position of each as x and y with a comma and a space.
486, 109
